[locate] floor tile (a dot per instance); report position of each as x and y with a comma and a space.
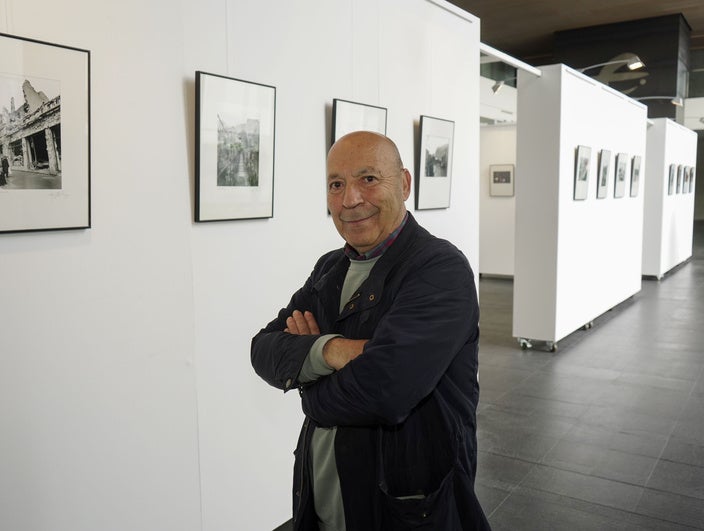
582, 487
599, 462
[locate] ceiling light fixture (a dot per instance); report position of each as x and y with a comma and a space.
499, 84
677, 101
632, 63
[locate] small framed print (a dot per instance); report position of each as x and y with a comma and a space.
501, 180
603, 174
620, 176
635, 176
349, 116
583, 156
235, 122
680, 171
671, 179
685, 180
44, 136
434, 172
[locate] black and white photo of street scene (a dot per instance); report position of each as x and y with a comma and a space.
238, 152
30, 133
436, 154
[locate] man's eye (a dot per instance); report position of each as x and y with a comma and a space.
335, 186
369, 178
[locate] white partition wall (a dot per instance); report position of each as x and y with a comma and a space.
669, 210
575, 259
127, 397
496, 213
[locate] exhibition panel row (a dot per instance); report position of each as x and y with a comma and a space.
578, 244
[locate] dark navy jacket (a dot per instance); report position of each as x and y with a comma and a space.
406, 408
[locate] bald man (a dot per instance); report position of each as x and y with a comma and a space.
381, 342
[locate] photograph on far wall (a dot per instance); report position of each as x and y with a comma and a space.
685, 179
692, 173
671, 180
635, 176
434, 171
583, 156
678, 187
349, 116
501, 180
44, 136
235, 123
603, 177
620, 176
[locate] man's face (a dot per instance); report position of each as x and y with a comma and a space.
367, 188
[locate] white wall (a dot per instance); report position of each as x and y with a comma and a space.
127, 399
497, 215
574, 259
668, 221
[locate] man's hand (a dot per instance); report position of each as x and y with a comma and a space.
337, 352
302, 324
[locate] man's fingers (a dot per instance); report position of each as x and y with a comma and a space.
291, 327
312, 323
301, 323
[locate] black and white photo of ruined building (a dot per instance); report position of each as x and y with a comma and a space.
30, 133
238, 153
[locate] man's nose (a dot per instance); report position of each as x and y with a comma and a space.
352, 196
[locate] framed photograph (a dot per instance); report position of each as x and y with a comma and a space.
235, 126
501, 180
685, 180
620, 176
603, 174
434, 172
671, 179
692, 173
583, 155
44, 136
635, 175
680, 170
349, 116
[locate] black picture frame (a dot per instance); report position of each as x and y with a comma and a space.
635, 175
235, 148
45, 137
620, 175
433, 181
349, 116
582, 162
602, 187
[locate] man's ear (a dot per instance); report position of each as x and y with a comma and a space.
406, 178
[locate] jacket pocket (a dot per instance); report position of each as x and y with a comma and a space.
433, 511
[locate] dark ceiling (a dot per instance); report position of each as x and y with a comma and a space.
524, 28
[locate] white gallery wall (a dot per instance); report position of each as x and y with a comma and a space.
694, 119
497, 214
127, 399
574, 259
669, 213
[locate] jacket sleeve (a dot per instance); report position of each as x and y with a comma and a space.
278, 356
433, 317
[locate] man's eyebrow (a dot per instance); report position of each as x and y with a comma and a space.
363, 171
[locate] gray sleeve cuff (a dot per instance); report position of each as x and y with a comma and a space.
314, 366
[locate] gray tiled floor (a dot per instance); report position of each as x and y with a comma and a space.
606, 433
